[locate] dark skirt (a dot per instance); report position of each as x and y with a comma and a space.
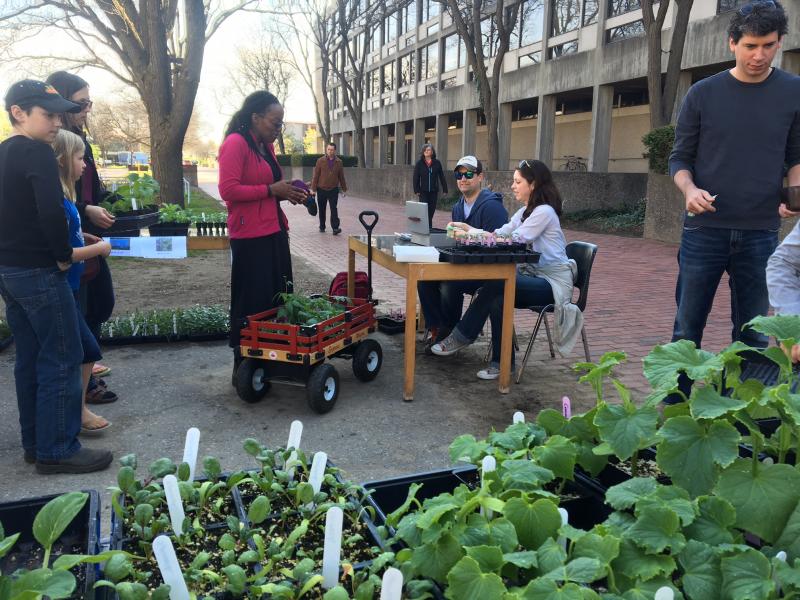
261, 269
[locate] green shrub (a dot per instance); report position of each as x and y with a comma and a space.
659, 143
349, 161
309, 160
284, 160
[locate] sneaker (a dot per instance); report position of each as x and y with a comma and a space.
336, 231
489, 373
100, 395
311, 205
99, 370
322, 230
448, 346
85, 460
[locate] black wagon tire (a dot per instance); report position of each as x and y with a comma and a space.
251, 380
323, 388
367, 360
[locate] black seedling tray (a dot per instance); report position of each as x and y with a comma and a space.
135, 219
80, 537
486, 254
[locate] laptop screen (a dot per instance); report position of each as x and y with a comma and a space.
417, 217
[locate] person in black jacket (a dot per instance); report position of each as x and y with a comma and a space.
97, 294
427, 175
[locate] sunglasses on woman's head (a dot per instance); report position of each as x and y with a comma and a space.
524, 163
465, 174
748, 8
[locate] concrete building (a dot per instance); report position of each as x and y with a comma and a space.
573, 93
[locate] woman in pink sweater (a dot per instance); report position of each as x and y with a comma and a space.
250, 183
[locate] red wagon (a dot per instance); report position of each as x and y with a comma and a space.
295, 354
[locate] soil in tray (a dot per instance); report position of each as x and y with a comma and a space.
207, 516
29, 555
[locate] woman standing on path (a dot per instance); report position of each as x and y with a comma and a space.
427, 175
250, 183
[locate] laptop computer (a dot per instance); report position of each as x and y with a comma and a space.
417, 225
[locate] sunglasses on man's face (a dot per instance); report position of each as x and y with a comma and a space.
749, 8
465, 174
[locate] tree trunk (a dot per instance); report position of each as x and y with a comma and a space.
677, 43
654, 77
281, 143
167, 166
358, 143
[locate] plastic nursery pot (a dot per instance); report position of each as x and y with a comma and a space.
613, 474
169, 229
80, 537
391, 326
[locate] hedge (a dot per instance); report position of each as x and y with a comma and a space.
309, 160
659, 143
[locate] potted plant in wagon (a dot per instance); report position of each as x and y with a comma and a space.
172, 220
133, 206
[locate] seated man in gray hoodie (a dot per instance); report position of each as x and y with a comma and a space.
442, 301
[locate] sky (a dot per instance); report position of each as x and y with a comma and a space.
216, 99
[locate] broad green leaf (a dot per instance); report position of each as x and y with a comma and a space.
518, 436
55, 517
595, 373
480, 532
789, 540
523, 560
162, 467
7, 543
259, 510
746, 576
638, 564
693, 453
706, 403
436, 559
645, 590
665, 362
714, 523
702, 577
337, 593
626, 428
763, 500
67, 561
489, 558
624, 495
236, 579
551, 420
604, 548
55, 584
118, 568
436, 510
781, 327
656, 529
129, 460
467, 448
534, 522
545, 589
672, 498
394, 517
579, 570
550, 556
467, 582
126, 479
557, 454
788, 576
128, 590
524, 475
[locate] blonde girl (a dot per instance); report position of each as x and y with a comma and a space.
69, 149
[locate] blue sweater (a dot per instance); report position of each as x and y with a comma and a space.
488, 212
76, 241
735, 138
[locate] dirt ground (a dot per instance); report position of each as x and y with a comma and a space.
203, 278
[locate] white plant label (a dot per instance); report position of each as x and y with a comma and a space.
664, 593
190, 449
519, 417
318, 471
566, 407
392, 584
564, 521
332, 551
174, 503
488, 464
170, 569
295, 433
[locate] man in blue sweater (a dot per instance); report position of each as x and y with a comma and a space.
736, 133
442, 301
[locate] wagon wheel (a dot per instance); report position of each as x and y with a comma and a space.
323, 388
367, 360
251, 380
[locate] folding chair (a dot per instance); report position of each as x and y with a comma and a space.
583, 254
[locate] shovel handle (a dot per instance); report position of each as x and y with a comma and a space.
368, 213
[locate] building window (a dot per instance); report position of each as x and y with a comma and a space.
374, 82
407, 69
590, 9
450, 82
620, 7
408, 17
563, 49
623, 32
390, 28
431, 88
531, 58
432, 29
403, 95
430, 9
387, 74
428, 60
375, 38
335, 98
531, 18
489, 38
411, 40
566, 16
455, 53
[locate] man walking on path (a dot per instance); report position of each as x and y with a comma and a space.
327, 181
442, 301
735, 132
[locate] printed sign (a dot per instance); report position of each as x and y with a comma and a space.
149, 247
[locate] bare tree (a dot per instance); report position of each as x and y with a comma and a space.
486, 27
662, 93
155, 46
264, 67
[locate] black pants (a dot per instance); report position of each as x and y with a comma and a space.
430, 199
97, 299
325, 197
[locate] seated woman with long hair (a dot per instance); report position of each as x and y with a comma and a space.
548, 282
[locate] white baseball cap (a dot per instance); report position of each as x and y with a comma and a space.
469, 162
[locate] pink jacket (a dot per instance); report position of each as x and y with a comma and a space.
244, 178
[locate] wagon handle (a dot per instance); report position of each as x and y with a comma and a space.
369, 227
368, 213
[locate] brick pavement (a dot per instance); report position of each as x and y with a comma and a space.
631, 302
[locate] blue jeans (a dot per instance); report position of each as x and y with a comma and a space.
91, 349
705, 253
442, 301
531, 291
41, 313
